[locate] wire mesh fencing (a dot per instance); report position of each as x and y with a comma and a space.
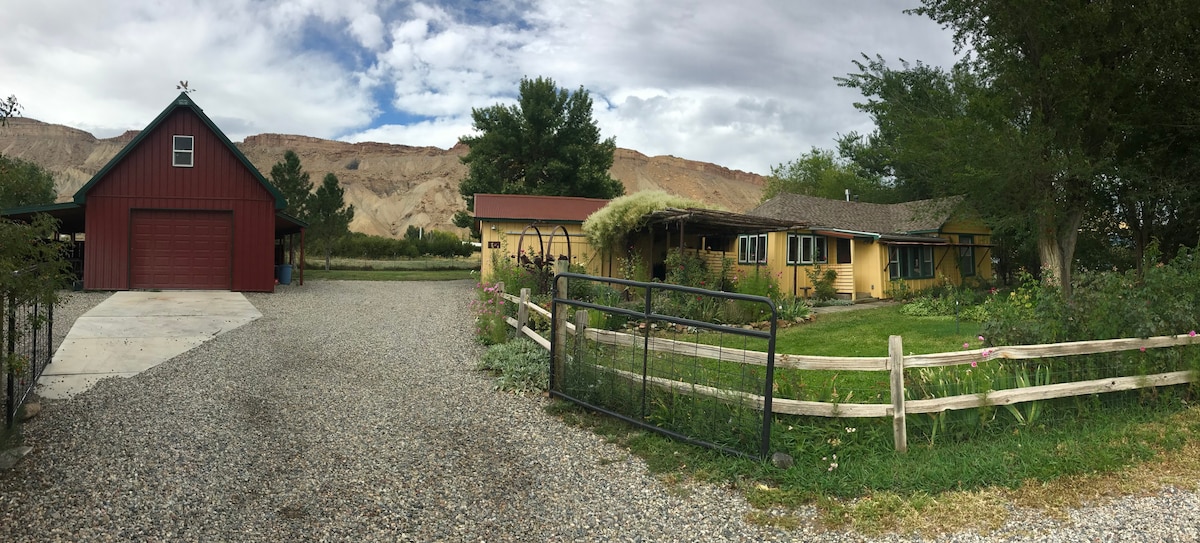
26, 339
682, 361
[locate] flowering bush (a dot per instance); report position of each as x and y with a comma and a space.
490, 327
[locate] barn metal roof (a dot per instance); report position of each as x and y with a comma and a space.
523, 207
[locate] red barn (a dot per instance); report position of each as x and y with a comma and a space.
180, 207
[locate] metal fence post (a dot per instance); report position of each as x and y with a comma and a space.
10, 407
896, 363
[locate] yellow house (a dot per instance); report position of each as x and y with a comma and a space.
518, 227
872, 247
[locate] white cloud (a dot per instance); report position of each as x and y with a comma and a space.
742, 84
117, 71
443, 133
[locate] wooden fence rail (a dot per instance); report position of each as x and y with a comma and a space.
895, 363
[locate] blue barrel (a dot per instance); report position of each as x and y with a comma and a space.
285, 274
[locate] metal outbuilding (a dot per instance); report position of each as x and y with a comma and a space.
180, 207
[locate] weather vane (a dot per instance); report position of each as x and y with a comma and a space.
183, 85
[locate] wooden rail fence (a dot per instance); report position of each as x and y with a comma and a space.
895, 364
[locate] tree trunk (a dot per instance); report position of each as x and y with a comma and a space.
328, 251
1056, 248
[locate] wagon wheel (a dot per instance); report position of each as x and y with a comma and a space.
521, 256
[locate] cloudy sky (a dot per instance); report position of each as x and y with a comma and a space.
745, 84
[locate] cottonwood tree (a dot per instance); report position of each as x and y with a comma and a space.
822, 173
293, 182
1041, 113
329, 216
547, 144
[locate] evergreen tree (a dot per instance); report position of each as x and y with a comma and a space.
329, 216
292, 181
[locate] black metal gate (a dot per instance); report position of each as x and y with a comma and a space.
668, 358
26, 340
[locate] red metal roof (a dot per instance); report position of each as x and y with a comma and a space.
535, 208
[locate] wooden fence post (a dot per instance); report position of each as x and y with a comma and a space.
523, 311
896, 363
560, 326
500, 286
581, 324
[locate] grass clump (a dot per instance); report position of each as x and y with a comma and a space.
521, 366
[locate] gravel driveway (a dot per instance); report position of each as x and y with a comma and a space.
351, 412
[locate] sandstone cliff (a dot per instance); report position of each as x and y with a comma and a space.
390, 186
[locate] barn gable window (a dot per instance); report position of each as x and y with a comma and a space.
182, 151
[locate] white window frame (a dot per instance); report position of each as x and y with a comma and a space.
807, 249
920, 267
752, 249
177, 152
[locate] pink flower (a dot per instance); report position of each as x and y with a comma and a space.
966, 345
1143, 349
980, 338
1191, 333
974, 364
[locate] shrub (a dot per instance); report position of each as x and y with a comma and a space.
522, 366
822, 281
757, 283
490, 326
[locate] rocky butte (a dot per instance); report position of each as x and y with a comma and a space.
391, 186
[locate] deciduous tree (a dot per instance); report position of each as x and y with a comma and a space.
23, 183
1045, 115
546, 144
822, 173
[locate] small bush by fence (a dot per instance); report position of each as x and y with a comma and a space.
719, 376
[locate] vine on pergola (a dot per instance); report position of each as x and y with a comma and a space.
608, 227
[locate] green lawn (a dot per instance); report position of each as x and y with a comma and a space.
865, 333
411, 264
861, 332
968, 468
385, 275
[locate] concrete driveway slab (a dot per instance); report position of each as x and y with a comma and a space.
131, 332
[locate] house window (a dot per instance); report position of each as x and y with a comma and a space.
182, 151
910, 262
966, 255
807, 249
843, 251
752, 249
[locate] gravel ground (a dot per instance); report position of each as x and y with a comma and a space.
351, 412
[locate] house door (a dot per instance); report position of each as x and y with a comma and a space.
181, 249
